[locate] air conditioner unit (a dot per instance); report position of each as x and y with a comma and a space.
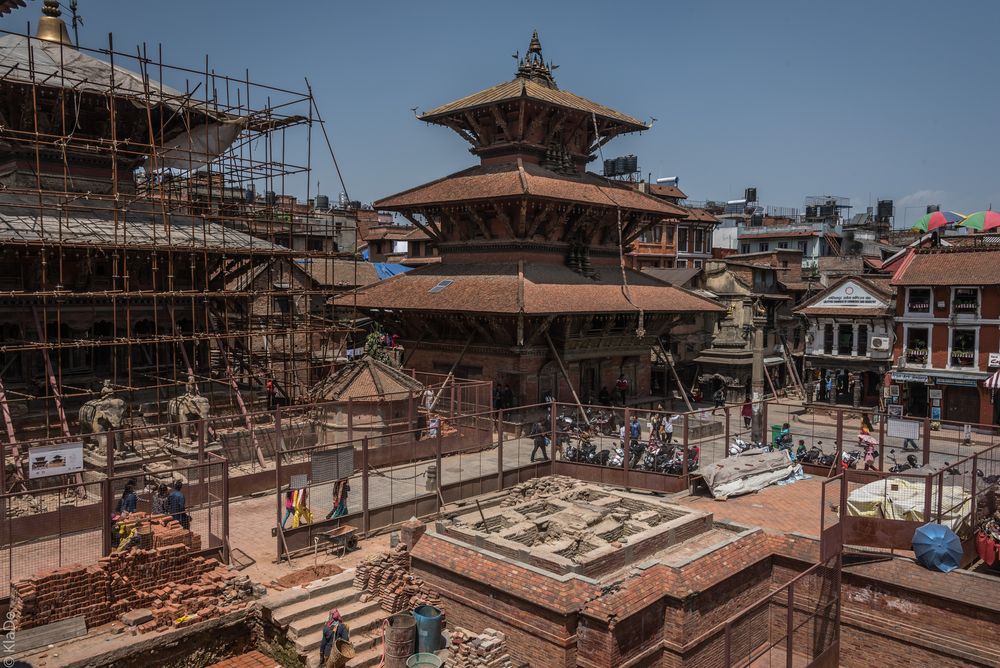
879, 343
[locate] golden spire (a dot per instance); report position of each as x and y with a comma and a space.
51, 27
533, 66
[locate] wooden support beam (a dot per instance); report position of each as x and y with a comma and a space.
451, 373
569, 381
420, 226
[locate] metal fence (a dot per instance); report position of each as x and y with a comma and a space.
72, 523
394, 477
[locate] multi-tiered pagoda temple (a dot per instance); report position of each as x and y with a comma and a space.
531, 279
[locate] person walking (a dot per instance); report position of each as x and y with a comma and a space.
746, 412
538, 439
668, 427
621, 388
289, 507
177, 506
333, 630
340, 492
508, 397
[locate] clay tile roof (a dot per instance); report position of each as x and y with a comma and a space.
547, 289
518, 88
520, 180
954, 266
666, 191
398, 232
701, 215
339, 273
364, 379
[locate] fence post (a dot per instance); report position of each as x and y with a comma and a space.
790, 627
725, 442
928, 485
350, 420
202, 433
409, 412
627, 447
225, 510
554, 433
881, 440
764, 427
278, 503
927, 441
365, 517
440, 474
109, 452
940, 499
106, 523
499, 449
684, 461
975, 476
840, 435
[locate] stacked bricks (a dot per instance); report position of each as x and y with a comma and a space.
177, 587
486, 650
387, 577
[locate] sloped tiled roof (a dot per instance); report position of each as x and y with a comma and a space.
546, 289
518, 88
339, 273
365, 379
527, 179
953, 266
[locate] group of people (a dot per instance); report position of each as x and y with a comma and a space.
297, 508
503, 397
163, 501
659, 426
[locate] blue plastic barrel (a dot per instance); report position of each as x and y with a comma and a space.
428, 629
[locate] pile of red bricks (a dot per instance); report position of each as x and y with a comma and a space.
387, 577
486, 650
178, 589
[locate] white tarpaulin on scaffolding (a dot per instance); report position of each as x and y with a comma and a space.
900, 499
748, 473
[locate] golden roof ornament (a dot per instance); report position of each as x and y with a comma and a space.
51, 27
533, 67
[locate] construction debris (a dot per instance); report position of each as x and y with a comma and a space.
538, 487
387, 577
486, 650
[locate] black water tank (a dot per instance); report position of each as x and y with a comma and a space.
750, 194
885, 209
631, 164
609, 167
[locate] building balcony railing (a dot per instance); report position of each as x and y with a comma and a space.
965, 307
918, 307
916, 356
963, 358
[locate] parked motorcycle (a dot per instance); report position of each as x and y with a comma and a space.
616, 458
911, 463
739, 446
988, 479
603, 422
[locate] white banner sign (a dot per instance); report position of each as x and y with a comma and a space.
58, 459
903, 428
850, 295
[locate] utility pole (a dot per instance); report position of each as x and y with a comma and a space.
759, 319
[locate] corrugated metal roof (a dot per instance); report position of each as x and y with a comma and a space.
517, 88
185, 233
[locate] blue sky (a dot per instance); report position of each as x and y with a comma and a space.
855, 98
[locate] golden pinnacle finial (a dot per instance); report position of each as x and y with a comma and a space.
536, 44
51, 27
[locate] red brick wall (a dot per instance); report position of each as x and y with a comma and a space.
539, 637
103, 591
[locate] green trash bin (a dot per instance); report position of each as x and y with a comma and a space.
775, 433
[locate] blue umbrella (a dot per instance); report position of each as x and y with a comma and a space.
937, 547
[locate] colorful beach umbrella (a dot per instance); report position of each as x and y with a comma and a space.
982, 221
936, 220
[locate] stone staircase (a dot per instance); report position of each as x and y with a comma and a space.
302, 612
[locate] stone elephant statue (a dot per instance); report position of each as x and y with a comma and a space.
184, 412
99, 416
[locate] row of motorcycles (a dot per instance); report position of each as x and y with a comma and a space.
654, 456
